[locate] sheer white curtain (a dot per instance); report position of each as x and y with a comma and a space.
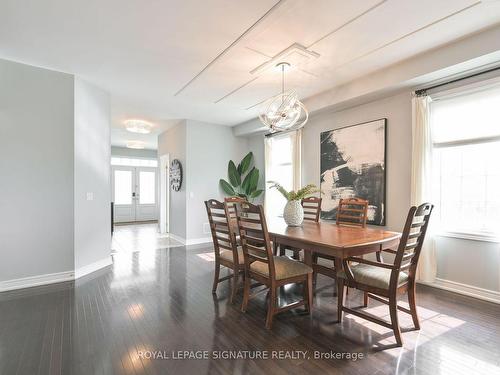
283, 154
421, 179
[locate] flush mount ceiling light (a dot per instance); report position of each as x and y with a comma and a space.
135, 144
284, 111
138, 126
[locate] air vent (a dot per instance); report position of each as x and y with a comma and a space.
296, 55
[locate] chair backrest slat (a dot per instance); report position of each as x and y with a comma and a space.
231, 202
412, 239
223, 234
312, 208
254, 236
352, 211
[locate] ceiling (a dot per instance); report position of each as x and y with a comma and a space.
168, 60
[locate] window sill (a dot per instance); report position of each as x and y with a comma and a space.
470, 236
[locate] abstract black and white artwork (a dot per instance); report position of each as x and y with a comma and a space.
353, 165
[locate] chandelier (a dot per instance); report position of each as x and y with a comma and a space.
138, 126
284, 111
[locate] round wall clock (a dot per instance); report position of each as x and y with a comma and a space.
175, 175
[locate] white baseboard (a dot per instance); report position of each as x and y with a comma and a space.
31, 281
191, 241
53, 278
467, 290
92, 267
197, 241
177, 238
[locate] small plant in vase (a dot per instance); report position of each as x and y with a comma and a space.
293, 212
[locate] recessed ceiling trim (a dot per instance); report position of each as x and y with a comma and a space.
384, 45
317, 41
236, 41
284, 56
236, 89
347, 23
270, 57
409, 34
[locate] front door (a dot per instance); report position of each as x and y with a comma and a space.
134, 194
145, 199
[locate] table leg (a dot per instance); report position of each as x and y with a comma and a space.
340, 289
308, 257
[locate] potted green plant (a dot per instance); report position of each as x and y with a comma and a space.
243, 179
293, 213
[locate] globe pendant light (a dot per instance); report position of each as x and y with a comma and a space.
284, 111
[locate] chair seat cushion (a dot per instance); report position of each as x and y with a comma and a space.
377, 277
228, 255
284, 268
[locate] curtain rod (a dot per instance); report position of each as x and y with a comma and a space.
270, 135
423, 91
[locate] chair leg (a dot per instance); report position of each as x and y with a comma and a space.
236, 274
308, 293
216, 277
271, 308
393, 308
246, 293
413, 306
365, 299
340, 298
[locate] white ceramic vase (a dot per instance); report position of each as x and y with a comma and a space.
293, 213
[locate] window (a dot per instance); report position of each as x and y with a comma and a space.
282, 166
133, 162
466, 156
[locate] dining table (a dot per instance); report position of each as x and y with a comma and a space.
337, 241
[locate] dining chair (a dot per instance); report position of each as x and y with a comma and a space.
385, 282
266, 268
231, 202
312, 210
350, 212
227, 252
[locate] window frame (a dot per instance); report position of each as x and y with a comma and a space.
473, 235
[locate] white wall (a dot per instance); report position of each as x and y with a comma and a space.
472, 263
92, 175
36, 171
173, 142
54, 148
397, 110
204, 150
209, 149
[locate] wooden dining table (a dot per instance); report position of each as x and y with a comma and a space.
341, 242
331, 239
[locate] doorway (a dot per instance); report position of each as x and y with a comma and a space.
135, 194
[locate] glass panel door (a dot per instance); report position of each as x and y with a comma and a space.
124, 193
146, 205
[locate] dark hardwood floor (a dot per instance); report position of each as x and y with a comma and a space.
159, 301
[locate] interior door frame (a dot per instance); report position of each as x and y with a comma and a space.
164, 219
135, 192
